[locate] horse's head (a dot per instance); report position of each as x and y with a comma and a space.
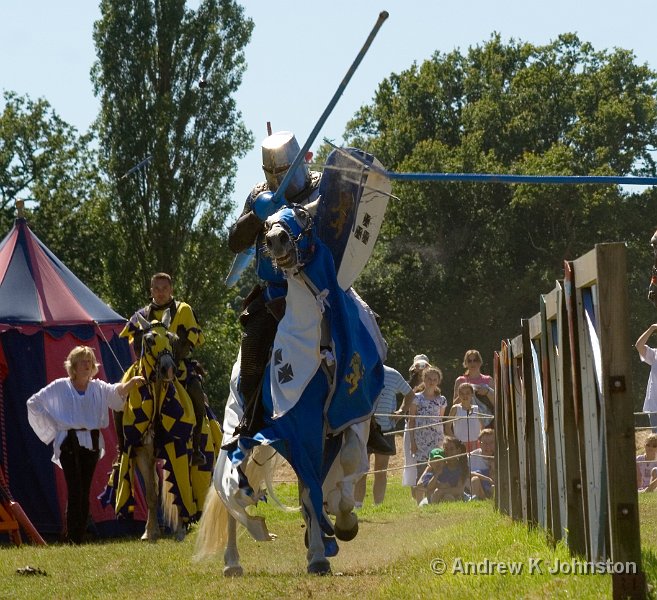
289, 237
157, 350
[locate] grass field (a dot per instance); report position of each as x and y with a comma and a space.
390, 558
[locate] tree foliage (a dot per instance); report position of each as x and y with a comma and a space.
151, 56
45, 162
469, 258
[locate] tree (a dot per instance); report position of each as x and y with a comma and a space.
44, 161
472, 258
165, 76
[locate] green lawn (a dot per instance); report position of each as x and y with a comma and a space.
390, 558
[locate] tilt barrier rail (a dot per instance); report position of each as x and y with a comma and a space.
565, 457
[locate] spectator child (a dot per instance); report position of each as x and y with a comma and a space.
421, 435
433, 469
463, 422
646, 466
482, 466
482, 385
449, 483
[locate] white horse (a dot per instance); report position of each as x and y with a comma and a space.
322, 440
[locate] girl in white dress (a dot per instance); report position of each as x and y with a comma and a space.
419, 442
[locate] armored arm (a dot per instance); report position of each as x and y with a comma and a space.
258, 207
244, 232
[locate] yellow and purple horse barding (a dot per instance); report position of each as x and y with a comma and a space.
158, 420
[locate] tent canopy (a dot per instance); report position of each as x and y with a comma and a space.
45, 311
37, 288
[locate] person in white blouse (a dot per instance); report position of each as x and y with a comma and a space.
649, 356
70, 412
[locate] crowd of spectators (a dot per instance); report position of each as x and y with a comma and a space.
448, 446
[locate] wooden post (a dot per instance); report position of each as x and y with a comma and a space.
553, 442
592, 416
502, 488
575, 521
586, 385
531, 420
578, 395
519, 482
515, 503
615, 345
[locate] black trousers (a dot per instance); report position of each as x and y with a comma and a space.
79, 465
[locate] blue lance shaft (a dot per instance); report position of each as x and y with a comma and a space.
536, 179
504, 177
510, 177
243, 259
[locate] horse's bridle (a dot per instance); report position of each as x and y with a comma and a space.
302, 251
151, 360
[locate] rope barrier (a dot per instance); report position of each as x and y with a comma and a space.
400, 468
437, 421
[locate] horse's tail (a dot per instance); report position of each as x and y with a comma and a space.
212, 528
260, 468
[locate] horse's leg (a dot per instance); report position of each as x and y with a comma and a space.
171, 512
232, 566
351, 453
146, 465
179, 529
218, 529
318, 564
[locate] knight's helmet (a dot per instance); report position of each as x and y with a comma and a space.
278, 152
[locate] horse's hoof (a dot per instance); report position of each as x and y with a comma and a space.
180, 535
149, 537
319, 567
233, 571
347, 534
349, 528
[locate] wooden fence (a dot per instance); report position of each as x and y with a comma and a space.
565, 453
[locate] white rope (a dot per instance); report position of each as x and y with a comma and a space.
444, 420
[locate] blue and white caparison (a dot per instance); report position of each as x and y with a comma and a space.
318, 392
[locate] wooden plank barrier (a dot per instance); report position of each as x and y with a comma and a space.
565, 454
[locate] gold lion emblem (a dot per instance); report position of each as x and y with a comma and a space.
356, 374
340, 212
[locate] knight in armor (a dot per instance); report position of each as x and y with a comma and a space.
264, 306
185, 325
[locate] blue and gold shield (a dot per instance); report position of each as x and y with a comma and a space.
353, 201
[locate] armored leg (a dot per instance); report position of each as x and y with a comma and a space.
257, 339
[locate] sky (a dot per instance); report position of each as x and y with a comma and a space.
300, 51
